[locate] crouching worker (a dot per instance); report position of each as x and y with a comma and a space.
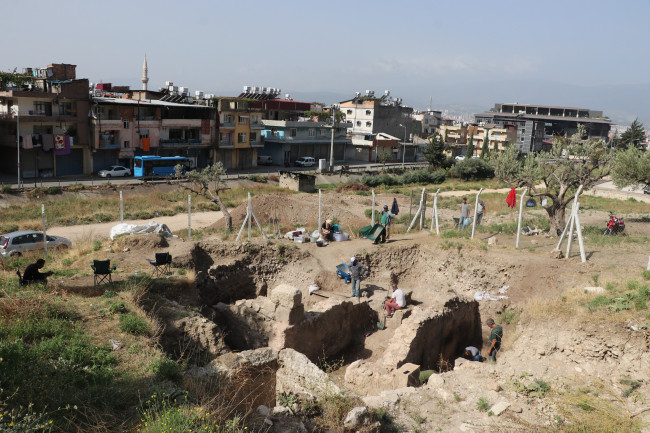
327, 230
33, 275
397, 302
473, 354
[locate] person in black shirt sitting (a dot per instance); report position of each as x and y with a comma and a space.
33, 274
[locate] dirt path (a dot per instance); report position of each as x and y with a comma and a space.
101, 230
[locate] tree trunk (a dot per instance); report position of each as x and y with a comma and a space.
556, 218
226, 214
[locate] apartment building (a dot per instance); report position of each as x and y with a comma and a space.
535, 123
240, 132
50, 117
497, 138
124, 125
368, 116
429, 120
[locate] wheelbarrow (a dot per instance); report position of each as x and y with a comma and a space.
343, 272
373, 232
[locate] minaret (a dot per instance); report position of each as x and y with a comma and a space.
145, 77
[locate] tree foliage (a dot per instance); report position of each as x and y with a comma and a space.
631, 167
632, 137
558, 173
434, 151
473, 169
18, 80
485, 150
208, 183
470, 147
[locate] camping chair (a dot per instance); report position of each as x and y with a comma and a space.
102, 270
161, 266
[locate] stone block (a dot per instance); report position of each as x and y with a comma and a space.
287, 296
500, 407
290, 316
357, 417
407, 375
493, 241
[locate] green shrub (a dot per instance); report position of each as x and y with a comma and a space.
165, 368
117, 307
483, 404
646, 275
135, 325
97, 245
510, 316
257, 178
473, 169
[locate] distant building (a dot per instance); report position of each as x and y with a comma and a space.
52, 114
430, 121
538, 123
368, 116
240, 132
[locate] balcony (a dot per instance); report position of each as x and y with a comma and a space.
179, 142
226, 144
273, 135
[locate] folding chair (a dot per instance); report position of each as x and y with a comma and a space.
102, 270
161, 266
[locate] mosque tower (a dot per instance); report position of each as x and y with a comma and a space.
145, 75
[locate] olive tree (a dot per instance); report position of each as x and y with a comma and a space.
556, 174
208, 183
631, 167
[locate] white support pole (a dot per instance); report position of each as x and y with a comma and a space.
121, 208
320, 209
647, 268
475, 212
566, 227
417, 214
189, 217
372, 208
241, 230
521, 213
249, 212
423, 208
435, 212
44, 231
576, 218
573, 218
259, 225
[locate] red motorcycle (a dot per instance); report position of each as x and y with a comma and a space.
615, 226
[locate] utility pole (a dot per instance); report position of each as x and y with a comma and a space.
18, 139
332, 142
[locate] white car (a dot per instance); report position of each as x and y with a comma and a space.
305, 161
116, 171
459, 158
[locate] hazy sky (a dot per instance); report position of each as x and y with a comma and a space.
465, 53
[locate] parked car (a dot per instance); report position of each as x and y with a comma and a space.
305, 161
16, 243
264, 160
116, 170
459, 158
646, 190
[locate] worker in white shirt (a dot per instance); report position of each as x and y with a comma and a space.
396, 302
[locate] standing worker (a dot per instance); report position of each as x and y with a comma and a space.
357, 272
494, 339
480, 212
386, 218
465, 209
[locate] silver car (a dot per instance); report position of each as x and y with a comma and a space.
16, 243
115, 171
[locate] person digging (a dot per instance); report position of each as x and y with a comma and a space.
494, 339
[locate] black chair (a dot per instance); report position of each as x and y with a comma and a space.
102, 270
162, 264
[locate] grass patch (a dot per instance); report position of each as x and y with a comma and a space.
483, 405
134, 325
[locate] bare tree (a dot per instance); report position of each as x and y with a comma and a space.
556, 174
208, 183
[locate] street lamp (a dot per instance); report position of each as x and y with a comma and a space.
17, 110
403, 145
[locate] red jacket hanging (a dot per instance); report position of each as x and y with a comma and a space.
512, 198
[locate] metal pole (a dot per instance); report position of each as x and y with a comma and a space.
121, 208
571, 226
372, 220
189, 217
404, 148
576, 218
249, 212
476, 212
435, 212
44, 233
411, 205
320, 209
521, 213
423, 206
18, 140
332, 142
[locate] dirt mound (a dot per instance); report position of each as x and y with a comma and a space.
301, 210
141, 241
352, 186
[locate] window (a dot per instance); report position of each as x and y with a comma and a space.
253, 136
368, 113
312, 132
67, 109
127, 144
242, 120
294, 132
241, 137
125, 123
42, 108
227, 118
368, 123
358, 123
349, 111
319, 132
